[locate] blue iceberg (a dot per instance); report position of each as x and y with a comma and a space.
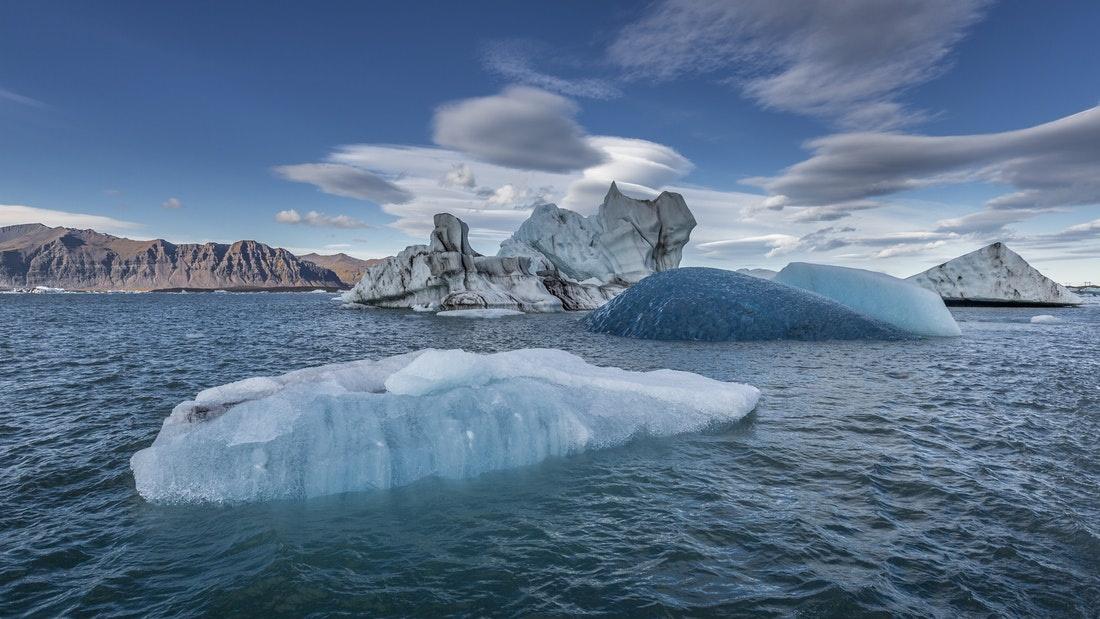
895, 301
364, 425
716, 305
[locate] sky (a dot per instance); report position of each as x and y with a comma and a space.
881, 134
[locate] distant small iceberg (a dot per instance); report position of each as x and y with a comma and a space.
1042, 319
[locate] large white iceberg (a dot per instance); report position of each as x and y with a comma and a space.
625, 241
994, 275
878, 295
696, 303
447, 413
448, 274
557, 260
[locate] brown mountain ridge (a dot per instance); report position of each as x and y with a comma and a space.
38, 255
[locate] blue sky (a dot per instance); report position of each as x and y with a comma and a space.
795, 131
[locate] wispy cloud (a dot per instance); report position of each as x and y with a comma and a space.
172, 203
12, 214
512, 60
846, 61
345, 180
319, 220
1049, 165
14, 97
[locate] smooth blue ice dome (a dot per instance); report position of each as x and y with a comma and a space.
695, 303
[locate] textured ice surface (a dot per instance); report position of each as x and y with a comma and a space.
480, 313
1044, 319
716, 305
878, 295
448, 413
994, 274
624, 241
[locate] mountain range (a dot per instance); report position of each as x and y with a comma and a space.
38, 255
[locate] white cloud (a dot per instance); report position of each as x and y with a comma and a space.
172, 203
769, 245
840, 60
345, 180
13, 214
522, 127
501, 197
512, 60
459, 175
831, 212
319, 220
984, 222
511, 196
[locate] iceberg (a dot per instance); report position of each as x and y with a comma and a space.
479, 313
697, 303
878, 295
625, 241
761, 273
447, 413
1044, 319
994, 275
449, 274
557, 260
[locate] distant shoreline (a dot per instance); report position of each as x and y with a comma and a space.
50, 289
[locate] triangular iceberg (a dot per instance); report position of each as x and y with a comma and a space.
993, 275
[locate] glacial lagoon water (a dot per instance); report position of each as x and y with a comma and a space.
940, 477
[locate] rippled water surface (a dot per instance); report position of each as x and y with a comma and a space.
937, 477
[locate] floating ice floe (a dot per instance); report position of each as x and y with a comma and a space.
878, 295
715, 305
480, 313
1044, 319
446, 413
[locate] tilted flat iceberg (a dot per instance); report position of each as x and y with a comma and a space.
697, 303
994, 275
878, 295
447, 413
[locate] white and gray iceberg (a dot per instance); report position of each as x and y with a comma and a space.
993, 275
557, 260
448, 274
624, 242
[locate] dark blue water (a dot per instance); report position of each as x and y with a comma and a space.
934, 478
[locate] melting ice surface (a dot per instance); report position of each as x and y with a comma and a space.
878, 295
716, 305
448, 413
492, 312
